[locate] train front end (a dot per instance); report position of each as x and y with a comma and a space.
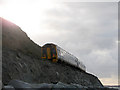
49, 52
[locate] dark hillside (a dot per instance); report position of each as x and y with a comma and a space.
20, 61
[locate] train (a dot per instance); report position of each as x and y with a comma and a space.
55, 53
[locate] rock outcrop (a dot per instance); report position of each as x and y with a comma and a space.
20, 60
17, 84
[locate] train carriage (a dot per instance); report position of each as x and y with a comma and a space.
54, 53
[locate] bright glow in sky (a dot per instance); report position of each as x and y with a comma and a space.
27, 14
92, 27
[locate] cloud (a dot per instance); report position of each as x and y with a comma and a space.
1, 2
87, 30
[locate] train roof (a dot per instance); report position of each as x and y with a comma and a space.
48, 44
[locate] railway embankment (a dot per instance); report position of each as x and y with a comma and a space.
20, 61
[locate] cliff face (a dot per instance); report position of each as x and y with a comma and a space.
20, 60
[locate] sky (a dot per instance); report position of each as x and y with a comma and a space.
88, 30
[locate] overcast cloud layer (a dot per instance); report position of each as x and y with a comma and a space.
87, 30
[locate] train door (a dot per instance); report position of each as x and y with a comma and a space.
48, 53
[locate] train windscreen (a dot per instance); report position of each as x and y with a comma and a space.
43, 53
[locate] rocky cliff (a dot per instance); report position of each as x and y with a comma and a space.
20, 60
